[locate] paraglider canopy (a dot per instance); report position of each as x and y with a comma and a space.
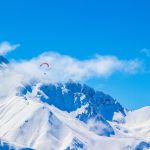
45, 66
45, 63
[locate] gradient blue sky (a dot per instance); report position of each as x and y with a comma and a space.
81, 29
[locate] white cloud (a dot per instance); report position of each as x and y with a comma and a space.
63, 68
99, 66
6, 47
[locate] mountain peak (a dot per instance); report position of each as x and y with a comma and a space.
80, 100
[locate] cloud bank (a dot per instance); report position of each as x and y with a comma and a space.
62, 69
6, 47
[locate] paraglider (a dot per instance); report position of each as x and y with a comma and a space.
45, 63
45, 67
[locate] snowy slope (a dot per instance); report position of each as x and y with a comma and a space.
138, 122
41, 126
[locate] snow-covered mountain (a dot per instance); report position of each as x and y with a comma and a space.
69, 116
80, 101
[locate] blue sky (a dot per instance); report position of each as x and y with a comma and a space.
81, 29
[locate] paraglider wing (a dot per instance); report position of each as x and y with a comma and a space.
45, 63
45, 67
